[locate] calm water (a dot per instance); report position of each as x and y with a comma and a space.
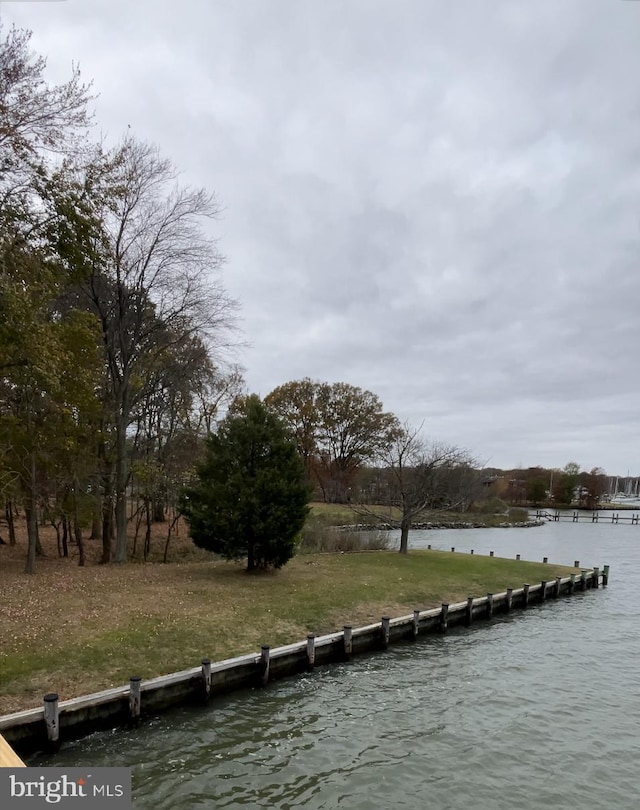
534, 710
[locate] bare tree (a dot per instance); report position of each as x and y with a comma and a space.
40, 125
423, 477
158, 283
35, 115
213, 394
184, 395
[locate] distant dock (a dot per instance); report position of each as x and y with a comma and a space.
588, 517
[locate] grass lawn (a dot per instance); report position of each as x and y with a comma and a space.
76, 630
337, 513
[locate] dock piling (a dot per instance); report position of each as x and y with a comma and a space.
348, 640
444, 617
264, 664
384, 630
311, 650
468, 616
134, 697
52, 721
206, 678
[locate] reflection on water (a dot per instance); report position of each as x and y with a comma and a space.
531, 710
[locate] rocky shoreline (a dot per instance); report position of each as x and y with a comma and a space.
389, 527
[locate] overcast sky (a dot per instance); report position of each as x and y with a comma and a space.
437, 200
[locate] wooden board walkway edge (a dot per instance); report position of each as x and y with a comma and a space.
8, 757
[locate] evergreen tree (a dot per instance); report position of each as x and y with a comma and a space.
250, 499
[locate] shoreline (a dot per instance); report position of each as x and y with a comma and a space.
420, 527
44, 729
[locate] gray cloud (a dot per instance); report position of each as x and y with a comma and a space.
436, 201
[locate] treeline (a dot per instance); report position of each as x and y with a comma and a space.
112, 316
569, 486
113, 322
354, 452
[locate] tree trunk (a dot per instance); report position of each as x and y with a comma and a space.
12, 528
121, 494
158, 509
404, 536
57, 527
147, 534
32, 535
121, 528
107, 515
172, 525
77, 531
139, 514
65, 536
107, 519
39, 549
95, 526
32, 518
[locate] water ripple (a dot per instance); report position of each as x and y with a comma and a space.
534, 709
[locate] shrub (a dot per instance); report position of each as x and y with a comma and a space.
250, 499
493, 506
